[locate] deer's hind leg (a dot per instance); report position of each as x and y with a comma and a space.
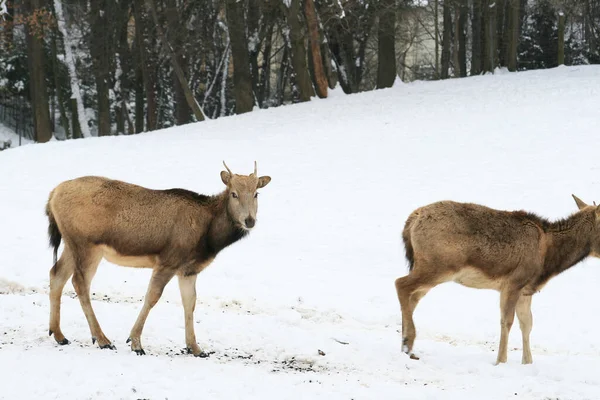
86, 265
59, 274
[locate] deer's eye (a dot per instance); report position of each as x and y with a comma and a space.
255, 195
234, 195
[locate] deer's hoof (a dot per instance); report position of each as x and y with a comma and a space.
109, 346
140, 352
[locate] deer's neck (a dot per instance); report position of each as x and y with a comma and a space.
223, 230
569, 242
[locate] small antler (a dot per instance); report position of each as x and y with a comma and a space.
228, 170
255, 173
580, 203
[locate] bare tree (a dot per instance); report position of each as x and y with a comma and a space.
462, 36
37, 87
386, 55
242, 78
101, 51
81, 120
189, 96
298, 50
316, 60
476, 38
446, 39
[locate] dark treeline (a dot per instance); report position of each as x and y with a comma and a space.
74, 68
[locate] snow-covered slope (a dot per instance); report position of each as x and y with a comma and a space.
320, 266
7, 134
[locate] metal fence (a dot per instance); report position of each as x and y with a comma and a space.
16, 114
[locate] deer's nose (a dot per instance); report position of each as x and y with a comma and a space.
250, 222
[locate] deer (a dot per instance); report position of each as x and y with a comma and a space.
174, 232
513, 252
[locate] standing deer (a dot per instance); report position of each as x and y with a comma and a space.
515, 253
173, 232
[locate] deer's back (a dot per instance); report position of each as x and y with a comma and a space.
457, 235
129, 218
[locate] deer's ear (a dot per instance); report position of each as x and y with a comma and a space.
263, 181
225, 177
579, 202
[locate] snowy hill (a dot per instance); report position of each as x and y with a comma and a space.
320, 266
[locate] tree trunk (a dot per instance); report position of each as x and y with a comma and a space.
125, 56
446, 40
462, 37
386, 52
182, 110
189, 96
329, 73
455, 35
436, 25
476, 38
64, 120
37, 81
242, 78
145, 72
75, 121
254, 41
341, 44
590, 36
101, 53
265, 73
561, 38
320, 80
281, 77
298, 51
501, 31
489, 61
82, 125
224, 82
514, 23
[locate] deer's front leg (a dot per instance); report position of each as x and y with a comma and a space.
526, 323
187, 287
160, 277
508, 302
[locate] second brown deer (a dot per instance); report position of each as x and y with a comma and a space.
513, 252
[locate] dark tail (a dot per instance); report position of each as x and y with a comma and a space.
410, 254
53, 232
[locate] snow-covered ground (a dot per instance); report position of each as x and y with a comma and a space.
318, 271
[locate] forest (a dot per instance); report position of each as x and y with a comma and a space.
76, 69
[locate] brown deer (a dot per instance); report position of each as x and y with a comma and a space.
513, 252
173, 232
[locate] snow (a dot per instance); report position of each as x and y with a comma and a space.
320, 266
